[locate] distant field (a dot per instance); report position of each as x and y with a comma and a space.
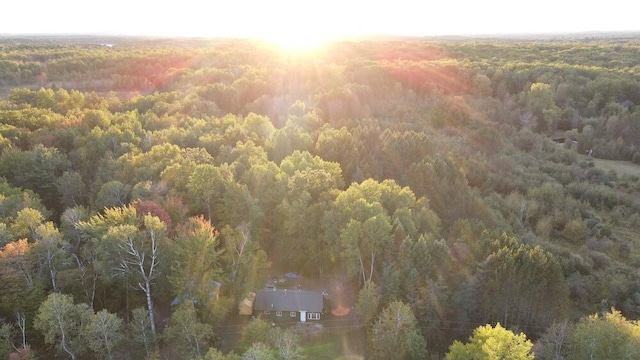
619, 166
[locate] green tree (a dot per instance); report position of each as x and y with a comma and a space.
83, 252
362, 242
368, 302
139, 330
71, 189
113, 194
287, 344
50, 249
257, 331
239, 253
131, 247
488, 342
6, 340
395, 336
64, 323
197, 270
140, 256
206, 183
605, 336
26, 223
521, 285
104, 334
259, 351
187, 336
287, 140
541, 101
215, 354
37, 169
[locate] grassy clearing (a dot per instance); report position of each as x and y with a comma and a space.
619, 166
325, 351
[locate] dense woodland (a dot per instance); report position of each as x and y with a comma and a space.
456, 188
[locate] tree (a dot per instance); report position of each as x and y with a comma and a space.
215, 354
488, 343
130, 247
51, 250
367, 222
21, 211
134, 249
113, 194
140, 329
395, 336
237, 243
17, 262
71, 189
257, 331
363, 241
521, 285
205, 182
6, 340
287, 344
311, 183
245, 263
26, 223
84, 252
104, 333
187, 336
553, 344
541, 101
605, 336
64, 323
37, 169
368, 302
259, 351
196, 270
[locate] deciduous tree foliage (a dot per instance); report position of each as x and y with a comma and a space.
37, 170
197, 272
521, 286
130, 247
492, 342
185, 334
394, 334
105, 333
139, 331
50, 249
64, 324
394, 162
605, 336
368, 302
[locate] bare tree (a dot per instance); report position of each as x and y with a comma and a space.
139, 258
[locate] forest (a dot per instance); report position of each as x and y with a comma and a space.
449, 193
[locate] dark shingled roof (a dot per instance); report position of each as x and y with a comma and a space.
288, 300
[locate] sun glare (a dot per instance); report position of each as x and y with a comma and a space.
297, 40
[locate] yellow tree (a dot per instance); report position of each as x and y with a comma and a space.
605, 336
489, 342
196, 272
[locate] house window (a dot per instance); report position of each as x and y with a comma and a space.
278, 313
313, 316
267, 312
292, 314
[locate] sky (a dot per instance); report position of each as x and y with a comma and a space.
313, 19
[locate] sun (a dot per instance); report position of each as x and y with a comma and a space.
297, 41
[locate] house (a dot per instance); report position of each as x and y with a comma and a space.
288, 304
